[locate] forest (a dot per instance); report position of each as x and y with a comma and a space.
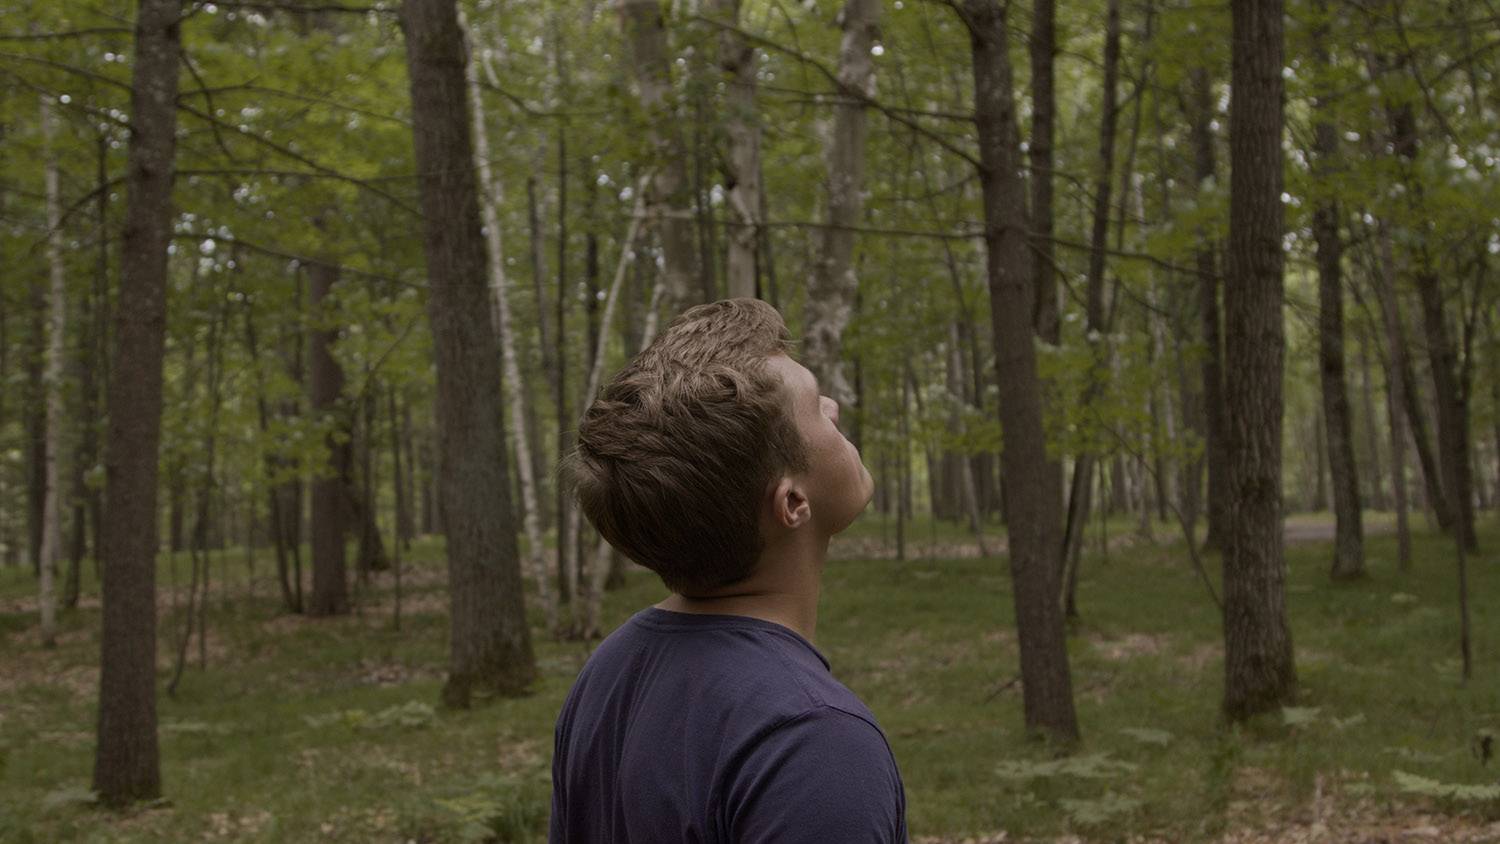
301, 302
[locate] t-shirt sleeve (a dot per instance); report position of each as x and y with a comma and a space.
827, 777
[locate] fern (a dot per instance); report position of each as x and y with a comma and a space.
1459, 792
1099, 810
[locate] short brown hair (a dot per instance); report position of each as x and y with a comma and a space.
675, 452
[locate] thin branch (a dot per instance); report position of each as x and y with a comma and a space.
72, 33
318, 168
842, 89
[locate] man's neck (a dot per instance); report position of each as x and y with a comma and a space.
783, 590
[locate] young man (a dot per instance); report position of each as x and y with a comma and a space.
712, 459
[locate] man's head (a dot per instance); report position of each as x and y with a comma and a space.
679, 449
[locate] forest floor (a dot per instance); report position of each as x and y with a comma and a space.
1415, 828
288, 729
869, 545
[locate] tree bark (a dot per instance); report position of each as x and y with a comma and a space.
1031, 491
36, 422
1348, 547
832, 283
1214, 457
490, 641
489, 200
126, 767
1079, 494
52, 533
1452, 405
325, 383
1042, 44
1260, 674
737, 59
1376, 472
669, 200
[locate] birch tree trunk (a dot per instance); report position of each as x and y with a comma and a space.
1031, 492
586, 618
737, 58
52, 446
126, 766
489, 199
669, 200
1260, 674
830, 288
490, 643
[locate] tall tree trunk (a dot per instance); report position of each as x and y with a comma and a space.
832, 283
88, 503
1260, 674
1348, 547
489, 200
52, 533
1495, 403
325, 383
274, 467
589, 577
1031, 491
490, 641
400, 477
126, 765
36, 422
1452, 409
1083, 467
1452, 405
669, 201
1395, 399
1372, 426
360, 493
1042, 44
737, 59
1200, 129
1403, 386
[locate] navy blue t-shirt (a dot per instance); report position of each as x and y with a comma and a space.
711, 729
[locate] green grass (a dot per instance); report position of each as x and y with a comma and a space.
303, 730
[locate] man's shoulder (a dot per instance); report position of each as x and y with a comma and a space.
757, 668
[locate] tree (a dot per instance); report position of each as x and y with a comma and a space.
1032, 495
51, 550
1200, 121
1042, 45
1260, 675
737, 59
325, 384
126, 765
1079, 492
490, 647
670, 193
489, 194
831, 286
1348, 550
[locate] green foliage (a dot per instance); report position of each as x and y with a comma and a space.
1456, 792
413, 714
303, 730
501, 810
1088, 766
68, 796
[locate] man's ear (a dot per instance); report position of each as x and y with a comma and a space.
789, 505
